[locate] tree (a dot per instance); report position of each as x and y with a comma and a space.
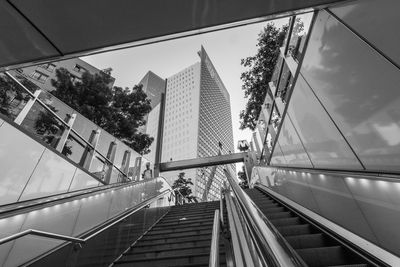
181, 185
259, 72
119, 111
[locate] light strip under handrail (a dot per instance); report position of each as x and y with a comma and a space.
214, 252
102, 228
276, 253
41, 233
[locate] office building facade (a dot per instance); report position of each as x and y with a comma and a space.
197, 119
41, 75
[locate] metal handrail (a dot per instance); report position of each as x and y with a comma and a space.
214, 252
41, 233
272, 247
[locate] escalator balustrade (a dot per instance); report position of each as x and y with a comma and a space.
314, 247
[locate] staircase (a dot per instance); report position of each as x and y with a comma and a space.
181, 238
314, 246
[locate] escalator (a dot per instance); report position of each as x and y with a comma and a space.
314, 246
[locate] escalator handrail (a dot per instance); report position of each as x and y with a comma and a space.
43, 234
277, 252
214, 251
31, 204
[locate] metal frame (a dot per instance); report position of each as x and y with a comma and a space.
214, 251
43, 234
272, 248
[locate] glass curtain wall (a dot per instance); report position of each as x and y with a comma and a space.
342, 97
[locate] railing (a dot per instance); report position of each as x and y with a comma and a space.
214, 252
43, 234
270, 246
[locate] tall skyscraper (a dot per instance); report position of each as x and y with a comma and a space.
153, 86
197, 120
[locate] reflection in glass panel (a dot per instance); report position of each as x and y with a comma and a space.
119, 153
291, 146
12, 97
99, 167
82, 180
43, 125
61, 109
368, 18
275, 119
74, 149
285, 84
275, 74
360, 90
29, 85
267, 106
299, 35
262, 125
84, 127
268, 142
105, 140
19, 155
116, 176
51, 176
278, 158
325, 145
134, 166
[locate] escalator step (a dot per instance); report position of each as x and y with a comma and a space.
273, 210
308, 241
286, 221
324, 256
279, 215
292, 230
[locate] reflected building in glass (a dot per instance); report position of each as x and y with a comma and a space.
333, 101
197, 118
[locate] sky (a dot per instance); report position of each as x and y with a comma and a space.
225, 48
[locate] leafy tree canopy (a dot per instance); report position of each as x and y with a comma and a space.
259, 72
119, 111
182, 186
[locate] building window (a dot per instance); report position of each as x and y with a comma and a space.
50, 67
79, 68
39, 76
75, 78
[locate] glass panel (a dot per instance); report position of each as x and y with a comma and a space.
359, 89
84, 127
82, 180
19, 155
299, 35
43, 125
12, 97
277, 157
267, 106
146, 169
31, 86
99, 167
377, 21
74, 148
52, 175
262, 125
325, 145
285, 83
134, 166
119, 153
275, 74
275, 119
291, 146
62, 110
104, 142
116, 176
